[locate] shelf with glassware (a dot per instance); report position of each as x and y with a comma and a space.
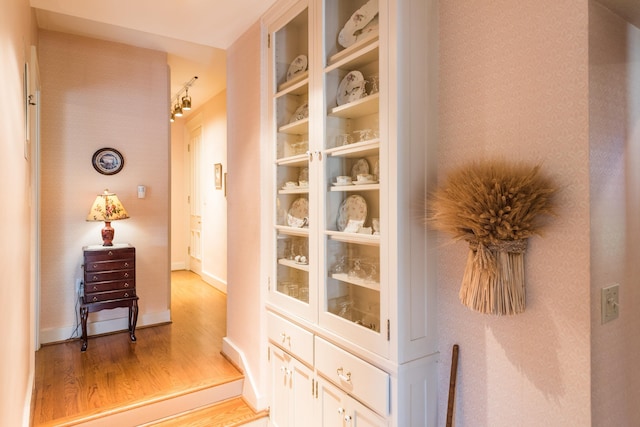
290, 91
352, 204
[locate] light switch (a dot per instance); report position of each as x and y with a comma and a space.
610, 302
142, 191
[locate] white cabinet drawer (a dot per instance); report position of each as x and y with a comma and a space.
365, 382
290, 337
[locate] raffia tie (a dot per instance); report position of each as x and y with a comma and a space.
485, 255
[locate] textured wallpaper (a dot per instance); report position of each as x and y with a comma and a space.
514, 84
614, 95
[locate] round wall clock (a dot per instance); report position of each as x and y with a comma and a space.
107, 161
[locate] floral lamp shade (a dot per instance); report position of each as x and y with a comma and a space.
107, 207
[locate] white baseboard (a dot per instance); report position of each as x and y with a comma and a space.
249, 390
103, 326
181, 265
214, 281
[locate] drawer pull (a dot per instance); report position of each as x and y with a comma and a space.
126, 264
285, 337
95, 299
126, 274
95, 288
126, 294
95, 265
126, 285
110, 253
344, 377
95, 277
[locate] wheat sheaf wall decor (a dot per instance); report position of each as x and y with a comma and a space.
495, 206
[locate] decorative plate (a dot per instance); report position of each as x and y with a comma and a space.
301, 113
356, 182
359, 167
351, 88
358, 21
298, 213
107, 161
299, 65
354, 208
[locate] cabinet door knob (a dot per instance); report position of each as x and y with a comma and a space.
310, 154
319, 155
346, 377
340, 411
347, 418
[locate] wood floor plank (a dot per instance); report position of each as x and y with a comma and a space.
232, 412
166, 359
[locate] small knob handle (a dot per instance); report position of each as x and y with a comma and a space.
347, 418
126, 274
126, 285
346, 377
340, 411
95, 299
95, 277
110, 253
126, 264
126, 294
319, 154
310, 154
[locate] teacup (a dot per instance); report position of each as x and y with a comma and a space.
290, 184
303, 184
343, 180
365, 177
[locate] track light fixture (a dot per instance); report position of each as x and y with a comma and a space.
181, 104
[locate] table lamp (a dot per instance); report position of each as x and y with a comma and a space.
107, 207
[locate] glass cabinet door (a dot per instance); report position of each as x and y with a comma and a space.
293, 289
351, 302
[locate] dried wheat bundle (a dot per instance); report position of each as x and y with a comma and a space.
495, 206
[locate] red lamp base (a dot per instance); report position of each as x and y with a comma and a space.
107, 234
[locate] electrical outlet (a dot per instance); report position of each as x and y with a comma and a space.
610, 302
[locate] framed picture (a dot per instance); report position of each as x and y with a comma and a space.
107, 161
218, 175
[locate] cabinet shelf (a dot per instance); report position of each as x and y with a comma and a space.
362, 52
362, 187
292, 264
299, 160
292, 231
299, 127
298, 85
361, 107
344, 277
295, 191
358, 149
362, 239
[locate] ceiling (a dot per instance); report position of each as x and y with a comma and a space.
194, 33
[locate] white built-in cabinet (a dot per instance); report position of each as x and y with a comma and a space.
351, 303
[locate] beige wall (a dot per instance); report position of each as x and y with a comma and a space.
245, 328
16, 357
514, 84
100, 94
614, 134
179, 206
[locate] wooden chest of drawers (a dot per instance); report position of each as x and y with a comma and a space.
109, 282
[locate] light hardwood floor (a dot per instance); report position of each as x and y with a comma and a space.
168, 359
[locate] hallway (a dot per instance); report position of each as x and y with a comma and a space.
115, 374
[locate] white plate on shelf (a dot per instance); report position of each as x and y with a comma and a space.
351, 88
335, 184
354, 208
298, 215
361, 167
302, 112
356, 182
357, 23
298, 66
